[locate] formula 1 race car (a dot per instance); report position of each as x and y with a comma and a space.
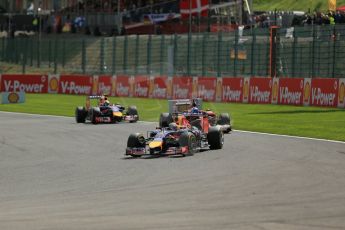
174, 140
104, 112
192, 111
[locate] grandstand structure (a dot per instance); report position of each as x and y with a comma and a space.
112, 17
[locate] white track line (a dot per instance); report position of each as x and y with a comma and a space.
282, 135
241, 131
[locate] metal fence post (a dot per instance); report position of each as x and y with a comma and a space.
293, 61
16, 50
219, 53
83, 56
236, 52
25, 51
203, 53
56, 55
189, 44
3, 49
125, 50
335, 38
136, 56
252, 60
175, 54
311, 71
38, 53
114, 56
101, 55
63, 53
49, 52
274, 41
149, 50
161, 54
31, 52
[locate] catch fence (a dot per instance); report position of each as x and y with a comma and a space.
313, 51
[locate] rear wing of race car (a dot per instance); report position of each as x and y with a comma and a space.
96, 96
93, 97
183, 105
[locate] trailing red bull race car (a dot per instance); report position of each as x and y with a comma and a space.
104, 112
174, 140
191, 110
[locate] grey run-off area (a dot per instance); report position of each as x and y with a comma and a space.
56, 174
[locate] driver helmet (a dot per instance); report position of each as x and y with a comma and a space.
195, 109
101, 99
173, 126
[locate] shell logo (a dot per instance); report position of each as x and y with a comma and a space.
306, 94
53, 84
13, 97
341, 93
246, 90
275, 91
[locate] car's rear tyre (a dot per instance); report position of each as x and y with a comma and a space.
136, 140
132, 111
188, 140
224, 119
165, 119
80, 114
215, 137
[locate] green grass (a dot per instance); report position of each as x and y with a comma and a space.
291, 5
317, 122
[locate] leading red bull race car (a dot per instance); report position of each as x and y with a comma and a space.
105, 112
180, 137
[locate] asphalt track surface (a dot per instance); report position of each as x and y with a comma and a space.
56, 174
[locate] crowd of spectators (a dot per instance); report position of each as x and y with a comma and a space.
288, 19
319, 18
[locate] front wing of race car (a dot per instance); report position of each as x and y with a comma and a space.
225, 128
117, 116
131, 118
137, 152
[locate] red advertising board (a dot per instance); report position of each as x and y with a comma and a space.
324, 92
182, 87
75, 84
104, 85
24, 83
158, 87
141, 86
206, 88
232, 89
290, 91
124, 86
260, 91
